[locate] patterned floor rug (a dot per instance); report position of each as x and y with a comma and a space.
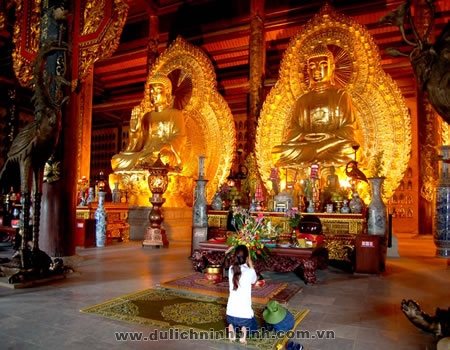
184, 316
271, 290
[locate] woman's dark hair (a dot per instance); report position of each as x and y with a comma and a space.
240, 258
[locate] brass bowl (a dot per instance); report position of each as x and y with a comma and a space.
214, 273
214, 269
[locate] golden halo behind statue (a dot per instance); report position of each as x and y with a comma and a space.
383, 120
181, 88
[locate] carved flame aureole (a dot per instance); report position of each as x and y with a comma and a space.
383, 118
209, 124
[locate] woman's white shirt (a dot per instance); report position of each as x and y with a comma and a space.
240, 300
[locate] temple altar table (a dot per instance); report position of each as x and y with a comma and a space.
304, 261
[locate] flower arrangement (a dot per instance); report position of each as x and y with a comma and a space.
294, 217
252, 231
224, 191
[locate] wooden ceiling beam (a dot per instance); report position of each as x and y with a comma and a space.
119, 105
122, 76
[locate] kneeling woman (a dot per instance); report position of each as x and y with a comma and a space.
241, 276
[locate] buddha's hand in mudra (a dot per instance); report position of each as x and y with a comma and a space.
317, 137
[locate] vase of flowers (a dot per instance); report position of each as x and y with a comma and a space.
252, 231
294, 217
224, 193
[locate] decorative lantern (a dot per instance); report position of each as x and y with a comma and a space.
101, 182
230, 179
157, 183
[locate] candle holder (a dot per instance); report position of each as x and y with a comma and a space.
157, 183
101, 182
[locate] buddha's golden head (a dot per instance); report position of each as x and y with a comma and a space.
160, 90
161, 79
321, 65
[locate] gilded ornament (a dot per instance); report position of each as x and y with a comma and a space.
340, 249
3, 21
382, 118
103, 45
52, 171
208, 121
26, 42
93, 16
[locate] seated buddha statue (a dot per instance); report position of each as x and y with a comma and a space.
332, 181
160, 131
323, 121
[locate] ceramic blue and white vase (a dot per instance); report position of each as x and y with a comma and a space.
216, 203
377, 223
356, 204
441, 235
345, 209
91, 195
200, 217
310, 208
100, 221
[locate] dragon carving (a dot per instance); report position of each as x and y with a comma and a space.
430, 62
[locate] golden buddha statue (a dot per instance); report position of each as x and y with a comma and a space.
160, 131
332, 181
323, 122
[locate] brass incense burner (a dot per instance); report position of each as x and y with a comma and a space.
214, 273
157, 183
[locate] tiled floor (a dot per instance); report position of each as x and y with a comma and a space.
363, 311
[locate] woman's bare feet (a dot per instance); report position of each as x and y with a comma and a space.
231, 333
243, 340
